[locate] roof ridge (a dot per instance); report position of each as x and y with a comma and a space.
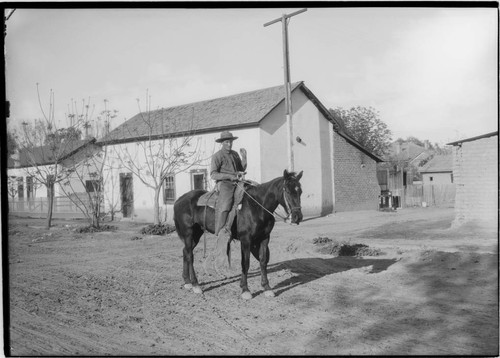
293, 86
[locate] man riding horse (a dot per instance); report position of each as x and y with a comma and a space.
227, 169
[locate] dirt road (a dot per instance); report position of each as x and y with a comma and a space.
431, 290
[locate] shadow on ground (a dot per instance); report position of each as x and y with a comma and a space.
303, 270
445, 304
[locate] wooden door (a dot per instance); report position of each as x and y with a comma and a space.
127, 194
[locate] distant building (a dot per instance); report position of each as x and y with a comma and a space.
24, 165
27, 168
399, 169
438, 170
475, 173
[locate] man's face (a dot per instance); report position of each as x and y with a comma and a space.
227, 144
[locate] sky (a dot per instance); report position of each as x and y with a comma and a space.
431, 73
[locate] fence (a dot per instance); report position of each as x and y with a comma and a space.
430, 195
38, 207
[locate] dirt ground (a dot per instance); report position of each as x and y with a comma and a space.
432, 290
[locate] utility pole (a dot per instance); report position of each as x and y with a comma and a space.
288, 93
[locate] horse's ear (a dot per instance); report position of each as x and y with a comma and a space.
285, 174
300, 175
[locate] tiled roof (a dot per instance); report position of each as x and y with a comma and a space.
236, 111
439, 163
44, 155
239, 110
458, 142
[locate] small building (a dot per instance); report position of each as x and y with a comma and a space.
438, 170
339, 173
25, 168
475, 173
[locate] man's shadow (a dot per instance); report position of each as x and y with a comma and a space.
300, 271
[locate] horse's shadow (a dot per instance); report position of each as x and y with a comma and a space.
300, 271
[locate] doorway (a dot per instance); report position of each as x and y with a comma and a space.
127, 194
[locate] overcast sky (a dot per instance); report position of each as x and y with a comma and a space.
430, 72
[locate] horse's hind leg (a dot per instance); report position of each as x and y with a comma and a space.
261, 253
191, 239
245, 265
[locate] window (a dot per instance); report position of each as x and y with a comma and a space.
451, 175
169, 190
431, 178
20, 188
29, 187
93, 186
198, 179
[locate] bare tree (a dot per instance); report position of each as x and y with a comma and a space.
87, 168
160, 152
44, 147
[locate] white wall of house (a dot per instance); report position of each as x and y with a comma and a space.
312, 155
437, 178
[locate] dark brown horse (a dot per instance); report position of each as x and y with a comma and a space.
252, 227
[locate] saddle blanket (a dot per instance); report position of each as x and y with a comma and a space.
208, 199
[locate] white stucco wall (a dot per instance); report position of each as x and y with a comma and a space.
312, 155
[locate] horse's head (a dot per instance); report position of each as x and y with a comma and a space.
291, 195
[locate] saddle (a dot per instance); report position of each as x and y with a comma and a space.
210, 198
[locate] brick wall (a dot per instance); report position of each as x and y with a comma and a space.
475, 172
356, 187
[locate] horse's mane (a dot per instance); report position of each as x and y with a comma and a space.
266, 185
263, 186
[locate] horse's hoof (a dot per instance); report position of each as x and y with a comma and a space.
188, 286
197, 289
246, 295
269, 293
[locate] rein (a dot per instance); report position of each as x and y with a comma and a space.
275, 213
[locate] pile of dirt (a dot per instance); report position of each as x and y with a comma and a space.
335, 248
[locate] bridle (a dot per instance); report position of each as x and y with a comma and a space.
289, 209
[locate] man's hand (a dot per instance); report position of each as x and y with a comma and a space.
243, 153
240, 176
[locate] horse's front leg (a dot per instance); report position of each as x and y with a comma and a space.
263, 257
245, 265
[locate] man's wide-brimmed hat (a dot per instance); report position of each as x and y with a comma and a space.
225, 136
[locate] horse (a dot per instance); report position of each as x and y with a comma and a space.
252, 227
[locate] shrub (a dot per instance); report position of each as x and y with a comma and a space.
158, 229
90, 229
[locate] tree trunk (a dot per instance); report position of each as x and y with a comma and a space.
156, 216
50, 192
96, 213
95, 220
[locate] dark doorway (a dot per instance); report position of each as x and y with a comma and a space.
127, 194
